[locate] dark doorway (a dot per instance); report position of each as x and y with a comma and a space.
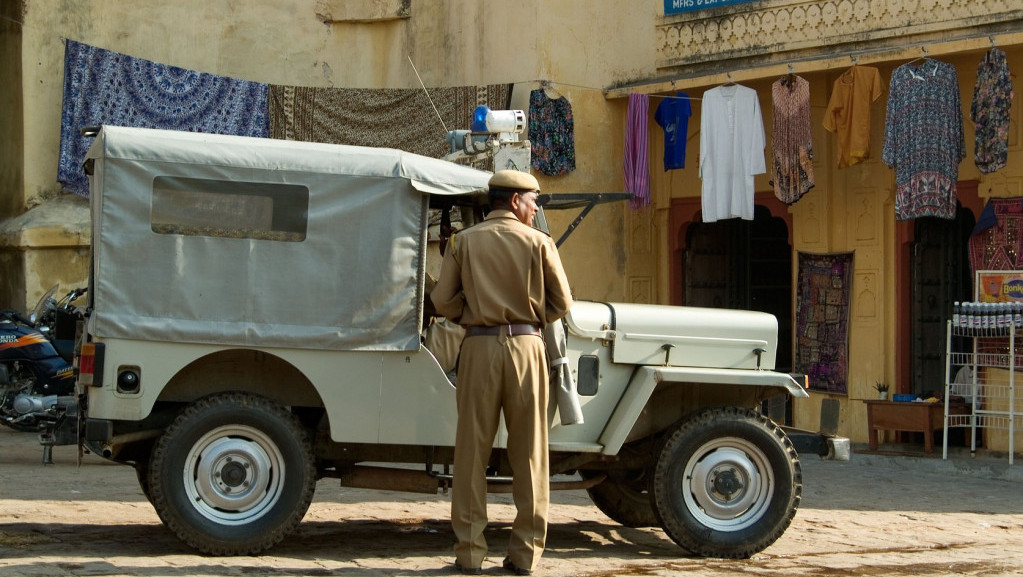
741, 264
940, 266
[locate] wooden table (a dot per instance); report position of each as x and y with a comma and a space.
916, 417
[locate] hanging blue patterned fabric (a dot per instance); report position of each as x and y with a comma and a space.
104, 87
992, 99
551, 134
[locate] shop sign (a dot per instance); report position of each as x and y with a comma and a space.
999, 286
681, 6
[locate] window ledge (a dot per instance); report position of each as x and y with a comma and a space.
361, 11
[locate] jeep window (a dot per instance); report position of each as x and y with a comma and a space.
229, 209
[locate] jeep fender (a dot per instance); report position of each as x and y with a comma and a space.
646, 379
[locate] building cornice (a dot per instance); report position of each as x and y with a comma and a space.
760, 39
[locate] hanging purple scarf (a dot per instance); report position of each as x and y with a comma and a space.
104, 87
637, 171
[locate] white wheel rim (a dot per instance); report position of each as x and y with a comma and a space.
728, 484
234, 474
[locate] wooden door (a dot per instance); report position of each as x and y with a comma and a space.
940, 269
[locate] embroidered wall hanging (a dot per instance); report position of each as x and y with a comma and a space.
822, 320
997, 240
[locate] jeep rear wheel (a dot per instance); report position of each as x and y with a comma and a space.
623, 497
726, 483
233, 474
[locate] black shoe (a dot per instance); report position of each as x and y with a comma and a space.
507, 564
468, 570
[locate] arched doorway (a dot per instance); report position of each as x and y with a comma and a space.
933, 273
940, 269
736, 264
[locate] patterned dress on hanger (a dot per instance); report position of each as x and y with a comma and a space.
923, 138
793, 150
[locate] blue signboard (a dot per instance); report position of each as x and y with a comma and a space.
680, 6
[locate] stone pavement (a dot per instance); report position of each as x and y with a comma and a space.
984, 464
878, 514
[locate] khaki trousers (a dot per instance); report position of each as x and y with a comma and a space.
495, 373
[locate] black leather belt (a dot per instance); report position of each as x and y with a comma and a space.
512, 330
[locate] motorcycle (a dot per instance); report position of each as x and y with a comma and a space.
36, 375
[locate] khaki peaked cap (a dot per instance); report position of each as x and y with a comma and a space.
513, 180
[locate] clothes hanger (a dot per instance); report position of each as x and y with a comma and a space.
549, 90
790, 79
926, 58
730, 82
992, 49
855, 62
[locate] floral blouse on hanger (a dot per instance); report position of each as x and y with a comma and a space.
992, 97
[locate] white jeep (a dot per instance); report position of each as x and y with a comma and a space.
256, 324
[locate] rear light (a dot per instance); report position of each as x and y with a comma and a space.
90, 365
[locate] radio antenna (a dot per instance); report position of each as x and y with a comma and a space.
427, 93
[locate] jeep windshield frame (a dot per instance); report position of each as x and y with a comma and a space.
586, 201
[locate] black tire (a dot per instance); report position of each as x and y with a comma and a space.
624, 497
233, 474
142, 474
726, 483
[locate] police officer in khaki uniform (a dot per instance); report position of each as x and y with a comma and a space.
502, 280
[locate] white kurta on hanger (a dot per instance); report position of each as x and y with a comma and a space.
731, 151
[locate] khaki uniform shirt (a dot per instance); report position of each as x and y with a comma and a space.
501, 272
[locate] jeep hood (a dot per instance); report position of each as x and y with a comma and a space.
679, 336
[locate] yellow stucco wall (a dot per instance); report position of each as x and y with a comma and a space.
582, 47
312, 44
851, 209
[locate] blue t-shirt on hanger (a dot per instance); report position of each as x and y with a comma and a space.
673, 116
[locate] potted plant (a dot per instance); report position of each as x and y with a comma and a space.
882, 390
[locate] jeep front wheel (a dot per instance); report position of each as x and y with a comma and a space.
726, 483
233, 474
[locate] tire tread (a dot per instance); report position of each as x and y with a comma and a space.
710, 417
204, 542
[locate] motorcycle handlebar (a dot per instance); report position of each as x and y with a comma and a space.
15, 316
71, 297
